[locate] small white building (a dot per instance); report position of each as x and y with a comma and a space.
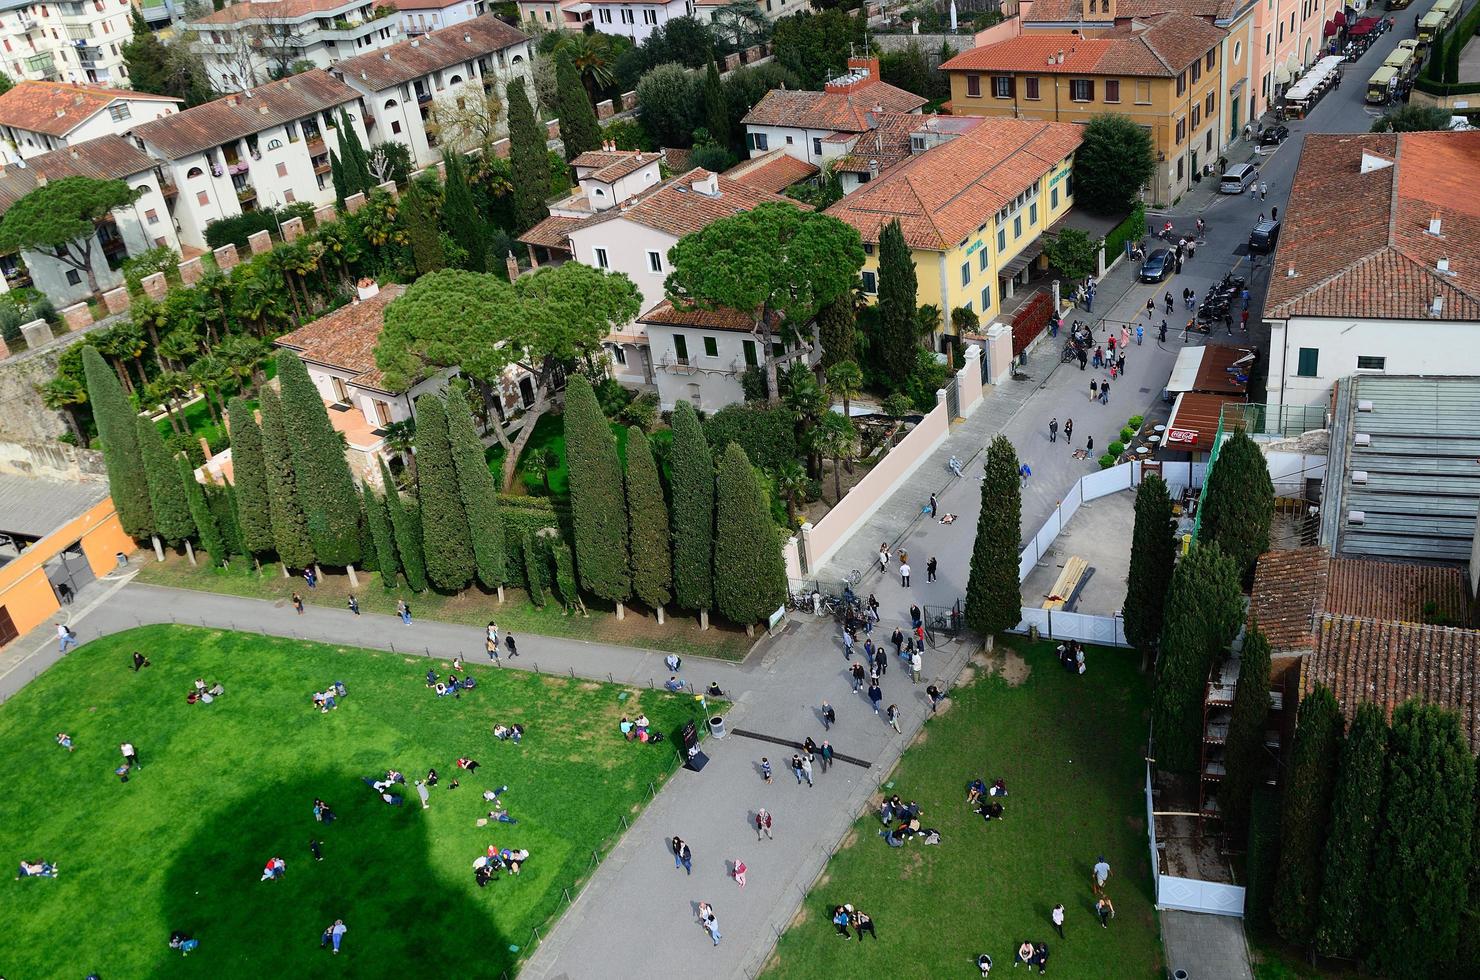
38, 117
425, 16
254, 41
1377, 270
708, 11
265, 147
633, 20
702, 355
402, 85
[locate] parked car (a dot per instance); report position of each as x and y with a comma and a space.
1158, 265
1274, 135
1263, 238
1237, 178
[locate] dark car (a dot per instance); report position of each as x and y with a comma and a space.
1274, 135
1158, 265
1264, 237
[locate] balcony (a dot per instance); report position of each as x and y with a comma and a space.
316, 146
679, 363
235, 167
246, 195
42, 64
343, 30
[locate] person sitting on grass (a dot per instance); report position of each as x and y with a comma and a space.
65, 741
275, 868
184, 942
503, 732
840, 920
984, 964
991, 811
999, 787
513, 859
37, 869
483, 872
467, 764
974, 790
627, 728
431, 677
394, 776
1024, 953
501, 815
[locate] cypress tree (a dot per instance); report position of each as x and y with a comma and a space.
693, 512
206, 528
356, 162
565, 574
444, 524
749, 572
326, 490
1346, 891
369, 555
336, 174
1204, 607
422, 231
291, 540
716, 108
381, 535
1245, 757
464, 223
253, 511
993, 600
1424, 850
1240, 502
529, 160
1310, 776
478, 492
897, 306
114, 416
1261, 866
172, 521
836, 331
406, 527
647, 517
534, 574
222, 501
1153, 554
579, 130
597, 508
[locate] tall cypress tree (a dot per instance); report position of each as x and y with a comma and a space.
172, 520
422, 231
326, 490
222, 501
464, 222
647, 517
749, 572
336, 174
693, 512
897, 306
1310, 776
355, 161
1240, 502
597, 508
444, 524
254, 512
381, 535
993, 600
836, 332
534, 571
1204, 608
1153, 554
1425, 850
530, 162
478, 491
565, 573
579, 130
716, 108
114, 416
406, 527
1347, 894
209, 533
291, 540
1246, 760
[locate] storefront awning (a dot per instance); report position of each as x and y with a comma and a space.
1330, 29
1339, 19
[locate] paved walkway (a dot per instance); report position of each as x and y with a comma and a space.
1208, 947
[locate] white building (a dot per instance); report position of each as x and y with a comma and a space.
128, 231
708, 11
1377, 270
254, 41
402, 85
701, 355
634, 20
69, 41
38, 117
265, 147
803, 122
425, 16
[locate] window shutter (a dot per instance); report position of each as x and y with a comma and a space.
1090, 87
1011, 86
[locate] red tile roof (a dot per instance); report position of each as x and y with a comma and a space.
406, 60
246, 10
665, 314
1071, 11
1163, 48
675, 207
552, 232
942, 195
1289, 595
847, 112
1373, 257
773, 172
57, 108
105, 158
889, 141
346, 338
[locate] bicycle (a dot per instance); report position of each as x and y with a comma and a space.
853, 577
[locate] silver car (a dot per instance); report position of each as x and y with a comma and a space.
1237, 178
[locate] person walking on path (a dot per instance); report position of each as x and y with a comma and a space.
1150, 308
881, 662
66, 638
858, 677
875, 696
1244, 321
1058, 919
421, 791
796, 767
1105, 910
1140, 334
511, 646
1167, 302
739, 873
130, 755
402, 610
884, 557
904, 574
931, 506
682, 856
1263, 190
936, 697
708, 921
829, 717
827, 755
1101, 875
298, 603
807, 769
1026, 471
1104, 399
847, 644
1069, 431
1053, 429
915, 665
930, 567
766, 770
763, 823
893, 715
354, 605
1094, 388
1089, 445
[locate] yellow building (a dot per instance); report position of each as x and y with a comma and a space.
1163, 74
972, 209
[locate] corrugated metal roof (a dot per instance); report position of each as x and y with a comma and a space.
33, 508
1421, 463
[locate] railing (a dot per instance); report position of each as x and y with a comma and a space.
1274, 420
678, 363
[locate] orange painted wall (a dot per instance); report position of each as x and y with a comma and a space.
24, 590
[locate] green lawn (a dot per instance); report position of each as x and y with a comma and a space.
1070, 749
226, 786
680, 634
549, 437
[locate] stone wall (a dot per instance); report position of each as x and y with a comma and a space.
23, 416
52, 461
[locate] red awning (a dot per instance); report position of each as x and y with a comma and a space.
1329, 30
1368, 22
1361, 30
1339, 19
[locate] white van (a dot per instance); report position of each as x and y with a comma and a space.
1237, 178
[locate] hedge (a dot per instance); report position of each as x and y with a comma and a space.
1131, 229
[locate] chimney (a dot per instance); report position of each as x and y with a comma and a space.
708, 184
512, 264
61, 113
1434, 225
1437, 306
1443, 264
416, 42
366, 288
467, 39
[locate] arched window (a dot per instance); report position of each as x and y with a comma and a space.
195, 172
456, 80
518, 58
275, 144
390, 103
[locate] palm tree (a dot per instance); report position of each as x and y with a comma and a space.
125, 342
216, 287
835, 436
259, 300
168, 389
845, 380
150, 315
741, 23
242, 357
591, 54
927, 321
399, 438
792, 484
63, 394
212, 373
179, 347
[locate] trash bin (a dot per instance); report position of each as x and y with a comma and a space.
121, 558
1179, 975
717, 727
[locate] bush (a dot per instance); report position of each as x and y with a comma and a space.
898, 405
1107, 461
768, 435
1135, 421
613, 397
1131, 229
642, 412
22, 306
161, 259
238, 228
1127, 434
1115, 449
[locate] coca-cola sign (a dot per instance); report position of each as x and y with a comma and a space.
1184, 437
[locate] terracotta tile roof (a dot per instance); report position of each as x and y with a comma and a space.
942, 195
1213, 374
1198, 413
57, 108
677, 158
1289, 596
1071, 11
346, 338
1373, 257
773, 172
676, 208
105, 158
424, 4
406, 60
610, 166
1162, 48
847, 112
236, 116
1387, 663
667, 315
553, 232
246, 10
889, 141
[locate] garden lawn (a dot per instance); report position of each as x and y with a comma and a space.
226, 786
1070, 748
549, 437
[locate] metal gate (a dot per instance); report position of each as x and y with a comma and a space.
953, 400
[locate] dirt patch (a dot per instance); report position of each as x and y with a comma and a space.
921, 737
912, 863
849, 840
1015, 669
822, 881
589, 686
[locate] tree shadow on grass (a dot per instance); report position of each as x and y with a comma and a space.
378, 874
